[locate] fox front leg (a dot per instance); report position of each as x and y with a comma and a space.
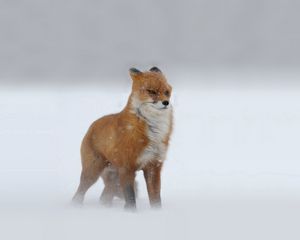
152, 177
127, 177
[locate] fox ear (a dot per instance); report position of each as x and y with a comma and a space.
134, 73
155, 69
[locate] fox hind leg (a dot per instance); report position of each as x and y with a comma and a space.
112, 187
92, 166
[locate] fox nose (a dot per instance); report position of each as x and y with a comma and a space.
166, 103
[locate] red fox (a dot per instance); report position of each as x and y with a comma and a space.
137, 138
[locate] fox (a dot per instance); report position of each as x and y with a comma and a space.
118, 145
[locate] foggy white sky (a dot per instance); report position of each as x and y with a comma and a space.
64, 39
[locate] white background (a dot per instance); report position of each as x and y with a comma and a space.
232, 170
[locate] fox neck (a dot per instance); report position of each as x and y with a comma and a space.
158, 123
158, 120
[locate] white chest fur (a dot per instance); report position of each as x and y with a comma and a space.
158, 122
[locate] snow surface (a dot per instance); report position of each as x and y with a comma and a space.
232, 170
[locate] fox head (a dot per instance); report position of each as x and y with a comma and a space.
150, 89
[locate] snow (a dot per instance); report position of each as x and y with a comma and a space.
232, 170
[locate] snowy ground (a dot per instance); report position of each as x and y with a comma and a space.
232, 172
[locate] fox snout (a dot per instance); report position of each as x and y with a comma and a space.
161, 104
165, 102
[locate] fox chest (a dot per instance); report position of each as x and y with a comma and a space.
158, 130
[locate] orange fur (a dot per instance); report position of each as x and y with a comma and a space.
117, 141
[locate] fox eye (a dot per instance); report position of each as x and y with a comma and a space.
151, 92
167, 93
